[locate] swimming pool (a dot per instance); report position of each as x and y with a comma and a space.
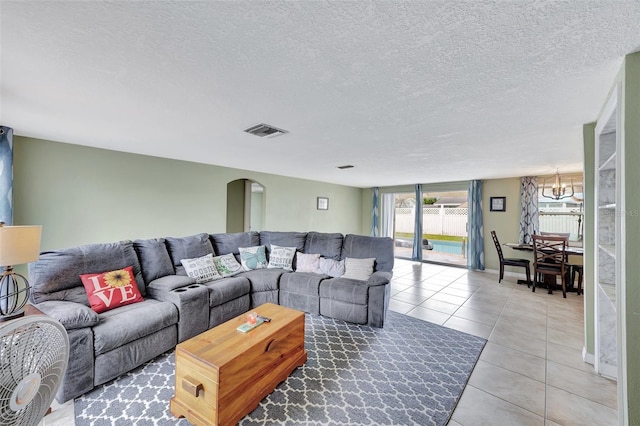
451, 247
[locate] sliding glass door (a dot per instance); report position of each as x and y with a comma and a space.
444, 224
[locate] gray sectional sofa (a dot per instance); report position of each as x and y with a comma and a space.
176, 308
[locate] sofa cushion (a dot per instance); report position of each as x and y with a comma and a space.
283, 239
120, 326
360, 246
358, 269
301, 283
70, 314
264, 279
328, 245
307, 262
56, 275
111, 289
330, 267
253, 257
227, 289
154, 258
345, 290
202, 269
229, 243
188, 248
227, 265
281, 257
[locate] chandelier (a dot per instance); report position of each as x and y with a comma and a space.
558, 189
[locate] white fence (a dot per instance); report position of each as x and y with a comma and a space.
559, 221
435, 220
453, 221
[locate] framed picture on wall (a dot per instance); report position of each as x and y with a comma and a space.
323, 203
498, 204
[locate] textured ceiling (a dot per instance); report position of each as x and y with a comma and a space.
407, 92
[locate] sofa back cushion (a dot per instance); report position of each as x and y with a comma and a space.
229, 243
360, 246
327, 245
190, 247
56, 275
283, 239
154, 258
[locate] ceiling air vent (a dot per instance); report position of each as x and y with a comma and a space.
347, 166
265, 130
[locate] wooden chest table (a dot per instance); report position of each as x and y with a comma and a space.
223, 374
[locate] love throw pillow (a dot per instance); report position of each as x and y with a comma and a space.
109, 290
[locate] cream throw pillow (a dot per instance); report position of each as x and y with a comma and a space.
281, 257
358, 269
227, 265
333, 268
201, 268
307, 262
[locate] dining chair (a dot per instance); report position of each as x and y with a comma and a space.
524, 263
549, 258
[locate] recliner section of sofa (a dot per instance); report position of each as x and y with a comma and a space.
176, 308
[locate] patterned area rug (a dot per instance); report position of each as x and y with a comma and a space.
409, 372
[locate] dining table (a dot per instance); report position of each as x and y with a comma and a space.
571, 250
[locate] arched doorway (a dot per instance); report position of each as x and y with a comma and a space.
245, 205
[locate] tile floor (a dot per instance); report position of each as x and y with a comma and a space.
531, 370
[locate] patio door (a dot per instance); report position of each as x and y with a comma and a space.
444, 223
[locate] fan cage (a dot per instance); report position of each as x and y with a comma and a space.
33, 345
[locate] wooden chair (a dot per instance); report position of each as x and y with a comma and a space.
549, 258
524, 263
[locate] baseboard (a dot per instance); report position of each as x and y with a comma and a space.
587, 357
518, 275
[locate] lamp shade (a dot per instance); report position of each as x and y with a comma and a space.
19, 244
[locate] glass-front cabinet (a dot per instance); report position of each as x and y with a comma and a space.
607, 233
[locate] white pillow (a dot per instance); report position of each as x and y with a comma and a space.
281, 257
358, 269
227, 265
253, 257
307, 262
333, 268
201, 268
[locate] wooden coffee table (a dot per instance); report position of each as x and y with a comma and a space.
223, 374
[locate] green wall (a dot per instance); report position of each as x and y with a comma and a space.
506, 224
589, 254
87, 195
235, 206
631, 125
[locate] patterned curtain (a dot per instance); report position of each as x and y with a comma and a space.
374, 212
6, 175
529, 223
417, 226
475, 248
388, 211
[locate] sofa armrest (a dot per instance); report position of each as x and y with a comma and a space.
71, 315
170, 282
379, 278
191, 299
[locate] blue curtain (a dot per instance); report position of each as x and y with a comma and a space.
529, 223
6, 175
417, 226
475, 248
375, 212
